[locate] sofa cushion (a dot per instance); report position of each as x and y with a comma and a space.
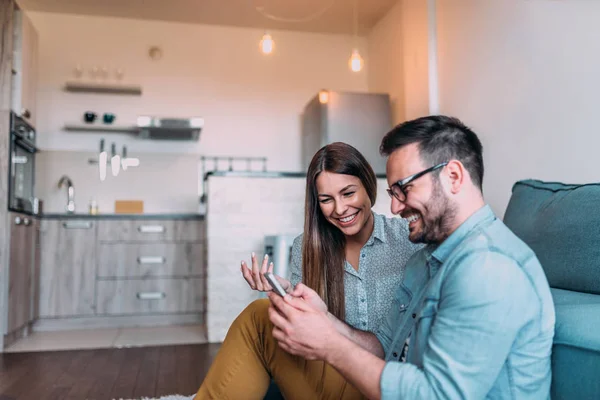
577, 320
576, 351
561, 223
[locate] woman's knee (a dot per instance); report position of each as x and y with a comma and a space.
255, 314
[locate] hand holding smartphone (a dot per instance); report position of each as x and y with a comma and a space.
277, 288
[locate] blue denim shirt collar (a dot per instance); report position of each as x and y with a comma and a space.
444, 249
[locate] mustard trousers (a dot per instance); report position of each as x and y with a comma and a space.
250, 357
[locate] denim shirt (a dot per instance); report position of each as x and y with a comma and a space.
480, 317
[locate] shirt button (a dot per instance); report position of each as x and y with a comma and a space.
362, 300
402, 306
364, 323
395, 354
363, 255
414, 315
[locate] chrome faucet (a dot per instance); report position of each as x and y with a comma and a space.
70, 208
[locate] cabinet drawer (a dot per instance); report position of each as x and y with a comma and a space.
150, 296
130, 260
150, 231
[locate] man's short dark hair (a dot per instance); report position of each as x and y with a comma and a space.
440, 139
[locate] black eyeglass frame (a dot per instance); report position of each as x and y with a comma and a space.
402, 183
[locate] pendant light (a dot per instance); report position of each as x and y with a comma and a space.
355, 62
267, 44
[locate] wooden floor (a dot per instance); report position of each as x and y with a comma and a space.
104, 374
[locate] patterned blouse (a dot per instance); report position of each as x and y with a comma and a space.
370, 290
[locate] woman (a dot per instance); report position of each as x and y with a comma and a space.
352, 257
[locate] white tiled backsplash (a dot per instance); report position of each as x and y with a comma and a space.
167, 183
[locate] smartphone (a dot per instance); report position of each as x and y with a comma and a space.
275, 284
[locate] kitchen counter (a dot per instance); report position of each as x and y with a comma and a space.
122, 216
161, 216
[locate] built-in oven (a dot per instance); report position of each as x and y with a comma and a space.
22, 165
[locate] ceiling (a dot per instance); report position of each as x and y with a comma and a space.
338, 17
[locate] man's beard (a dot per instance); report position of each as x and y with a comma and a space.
440, 215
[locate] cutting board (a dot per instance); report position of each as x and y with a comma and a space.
129, 207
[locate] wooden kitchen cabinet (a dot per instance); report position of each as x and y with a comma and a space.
150, 267
150, 260
67, 268
25, 68
151, 231
150, 296
21, 271
113, 272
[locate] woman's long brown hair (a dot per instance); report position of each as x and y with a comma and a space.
323, 244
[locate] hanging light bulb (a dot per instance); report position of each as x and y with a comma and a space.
323, 96
356, 62
267, 45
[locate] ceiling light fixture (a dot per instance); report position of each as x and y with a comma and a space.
323, 96
267, 45
355, 62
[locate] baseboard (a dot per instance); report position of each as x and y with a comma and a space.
127, 321
17, 334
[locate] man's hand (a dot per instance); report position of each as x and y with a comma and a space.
301, 327
310, 296
304, 328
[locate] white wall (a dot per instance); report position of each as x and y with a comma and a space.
251, 103
399, 62
167, 183
524, 76
386, 57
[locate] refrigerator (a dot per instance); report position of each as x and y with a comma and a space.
359, 119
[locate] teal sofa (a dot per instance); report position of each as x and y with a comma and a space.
561, 223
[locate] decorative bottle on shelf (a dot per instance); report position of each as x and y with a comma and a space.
93, 207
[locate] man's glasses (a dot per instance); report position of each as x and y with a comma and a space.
397, 190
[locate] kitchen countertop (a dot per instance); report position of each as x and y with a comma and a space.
162, 216
122, 216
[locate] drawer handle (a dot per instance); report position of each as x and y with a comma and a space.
77, 225
151, 260
151, 229
151, 295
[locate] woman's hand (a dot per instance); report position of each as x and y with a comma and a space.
255, 276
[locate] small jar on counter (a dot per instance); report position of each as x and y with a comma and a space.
93, 207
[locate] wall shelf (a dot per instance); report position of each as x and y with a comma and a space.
101, 128
86, 87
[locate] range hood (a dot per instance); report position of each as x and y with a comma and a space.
181, 129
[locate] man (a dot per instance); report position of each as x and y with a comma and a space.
474, 317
